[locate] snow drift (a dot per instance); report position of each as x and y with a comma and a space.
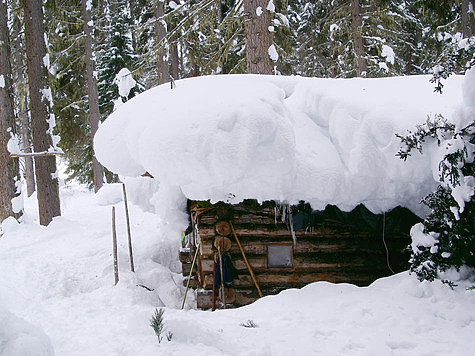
325, 141
18, 337
60, 279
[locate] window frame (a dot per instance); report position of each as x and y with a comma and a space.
277, 244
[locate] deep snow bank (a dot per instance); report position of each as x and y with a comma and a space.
18, 337
60, 279
326, 141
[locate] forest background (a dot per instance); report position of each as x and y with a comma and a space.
93, 49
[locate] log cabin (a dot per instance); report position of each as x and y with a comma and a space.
290, 247
281, 139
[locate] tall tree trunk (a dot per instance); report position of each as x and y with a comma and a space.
175, 61
468, 19
21, 94
45, 167
258, 38
357, 25
26, 147
408, 29
9, 170
160, 33
132, 6
92, 92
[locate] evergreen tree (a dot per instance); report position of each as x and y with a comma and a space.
92, 91
399, 36
446, 239
114, 54
66, 42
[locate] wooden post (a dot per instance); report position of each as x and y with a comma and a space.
213, 301
246, 261
223, 293
114, 248
131, 255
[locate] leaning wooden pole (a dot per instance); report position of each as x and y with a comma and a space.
223, 293
246, 261
189, 277
131, 255
114, 248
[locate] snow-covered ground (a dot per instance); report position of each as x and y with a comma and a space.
57, 292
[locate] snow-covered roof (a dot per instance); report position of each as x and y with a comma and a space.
325, 141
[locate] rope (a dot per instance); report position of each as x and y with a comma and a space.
384, 242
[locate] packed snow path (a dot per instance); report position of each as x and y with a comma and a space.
56, 291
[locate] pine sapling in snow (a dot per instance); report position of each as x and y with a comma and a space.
157, 323
445, 240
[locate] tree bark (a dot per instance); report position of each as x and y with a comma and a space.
21, 94
9, 170
257, 35
26, 145
357, 25
160, 33
132, 6
92, 94
467, 19
175, 60
46, 173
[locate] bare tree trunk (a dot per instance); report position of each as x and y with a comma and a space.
92, 93
160, 33
9, 170
132, 5
357, 24
26, 140
175, 60
181, 65
258, 38
467, 19
46, 174
21, 93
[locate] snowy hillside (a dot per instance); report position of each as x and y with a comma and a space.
56, 292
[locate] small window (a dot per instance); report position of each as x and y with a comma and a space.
279, 256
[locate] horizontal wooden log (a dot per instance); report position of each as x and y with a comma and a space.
268, 280
186, 267
302, 264
207, 282
308, 247
271, 231
207, 232
268, 233
204, 299
207, 266
193, 282
185, 256
271, 280
243, 297
256, 219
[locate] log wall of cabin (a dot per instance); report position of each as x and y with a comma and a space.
329, 252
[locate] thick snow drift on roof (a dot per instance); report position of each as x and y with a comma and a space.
325, 141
